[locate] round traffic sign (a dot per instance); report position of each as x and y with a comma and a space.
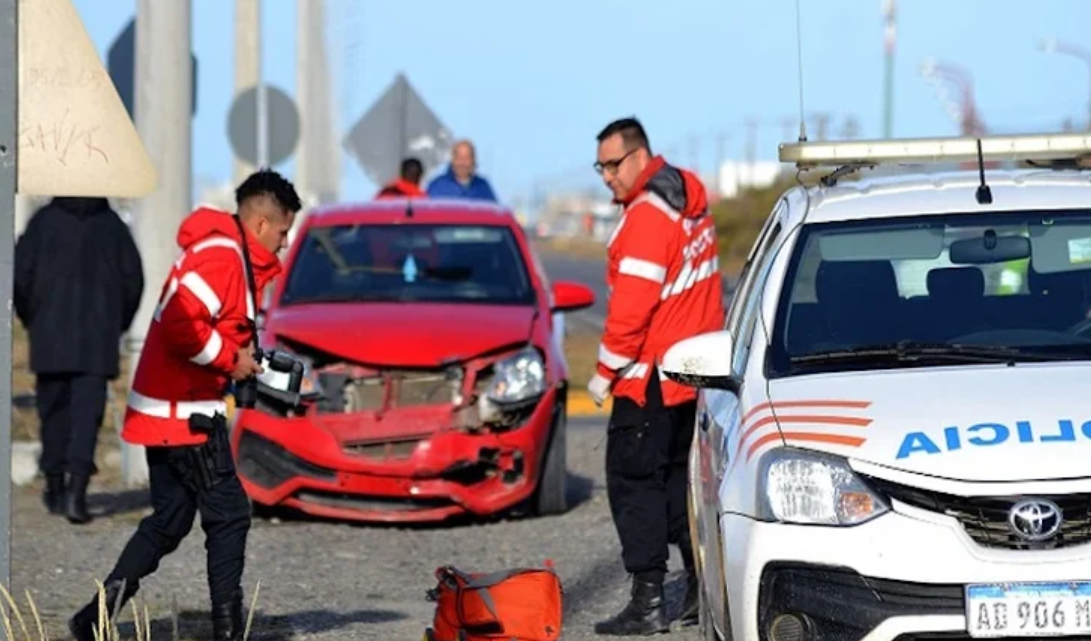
282, 120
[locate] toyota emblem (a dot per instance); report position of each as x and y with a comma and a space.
1035, 519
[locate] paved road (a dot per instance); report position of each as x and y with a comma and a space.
334, 581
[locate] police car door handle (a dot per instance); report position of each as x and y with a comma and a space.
703, 421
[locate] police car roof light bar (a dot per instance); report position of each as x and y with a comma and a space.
913, 151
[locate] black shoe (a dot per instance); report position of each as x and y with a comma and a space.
54, 495
227, 621
85, 623
644, 615
75, 505
688, 615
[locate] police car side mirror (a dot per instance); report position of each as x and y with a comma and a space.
702, 361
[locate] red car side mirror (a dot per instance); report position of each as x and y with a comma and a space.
571, 297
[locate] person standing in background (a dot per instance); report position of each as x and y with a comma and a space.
78, 282
408, 183
461, 179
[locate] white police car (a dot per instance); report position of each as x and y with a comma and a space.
894, 435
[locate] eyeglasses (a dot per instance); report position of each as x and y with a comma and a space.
613, 165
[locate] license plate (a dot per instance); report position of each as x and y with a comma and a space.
1028, 609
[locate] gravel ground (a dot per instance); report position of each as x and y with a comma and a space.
329, 580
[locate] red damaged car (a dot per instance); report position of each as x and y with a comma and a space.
434, 384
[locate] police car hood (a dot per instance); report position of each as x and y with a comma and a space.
1031, 421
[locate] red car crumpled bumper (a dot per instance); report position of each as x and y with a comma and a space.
410, 466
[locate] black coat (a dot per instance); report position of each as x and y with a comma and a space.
78, 283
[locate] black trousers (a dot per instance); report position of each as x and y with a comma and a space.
177, 496
647, 451
70, 408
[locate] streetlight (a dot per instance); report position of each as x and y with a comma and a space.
1052, 45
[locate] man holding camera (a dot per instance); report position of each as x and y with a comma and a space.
202, 337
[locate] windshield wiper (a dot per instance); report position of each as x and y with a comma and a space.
910, 351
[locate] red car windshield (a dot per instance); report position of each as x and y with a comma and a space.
407, 263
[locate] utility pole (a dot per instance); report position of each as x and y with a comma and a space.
317, 164
751, 150
822, 121
247, 56
9, 131
889, 39
164, 98
787, 135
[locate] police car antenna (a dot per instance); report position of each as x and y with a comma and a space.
984, 195
799, 53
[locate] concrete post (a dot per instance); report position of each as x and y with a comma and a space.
164, 92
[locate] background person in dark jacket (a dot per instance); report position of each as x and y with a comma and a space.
461, 179
78, 283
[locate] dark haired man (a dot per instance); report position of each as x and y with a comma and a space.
200, 339
665, 287
408, 183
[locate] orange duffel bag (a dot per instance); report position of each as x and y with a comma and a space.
523, 604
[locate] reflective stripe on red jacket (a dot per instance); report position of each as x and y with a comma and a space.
663, 278
195, 332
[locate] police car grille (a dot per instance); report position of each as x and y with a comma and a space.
985, 518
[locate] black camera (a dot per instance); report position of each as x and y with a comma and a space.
281, 380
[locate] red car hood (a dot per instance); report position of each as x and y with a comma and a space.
405, 335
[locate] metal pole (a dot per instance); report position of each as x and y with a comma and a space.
246, 72
164, 99
263, 105
890, 38
9, 127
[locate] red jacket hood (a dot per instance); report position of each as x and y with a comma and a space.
681, 189
401, 188
206, 222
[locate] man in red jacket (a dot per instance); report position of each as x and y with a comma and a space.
664, 287
201, 338
408, 183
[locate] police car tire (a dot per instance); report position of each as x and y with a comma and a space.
551, 496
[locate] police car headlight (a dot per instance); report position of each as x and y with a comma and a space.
518, 378
814, 489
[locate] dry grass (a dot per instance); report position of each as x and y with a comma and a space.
105, 630
581, 351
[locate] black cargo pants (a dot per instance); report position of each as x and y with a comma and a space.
177, 495
647, 451
71, 408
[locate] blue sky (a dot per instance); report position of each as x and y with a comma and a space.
532, 81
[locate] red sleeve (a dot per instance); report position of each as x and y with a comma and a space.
192, 303
643, 249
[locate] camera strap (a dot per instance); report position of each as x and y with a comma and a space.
249, 277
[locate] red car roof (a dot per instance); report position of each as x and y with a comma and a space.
424, 211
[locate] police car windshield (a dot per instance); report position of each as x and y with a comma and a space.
408, 263
1014, 280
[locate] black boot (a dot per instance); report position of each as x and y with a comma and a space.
644, 615
227, 621
84, 624
53, 497
75, 505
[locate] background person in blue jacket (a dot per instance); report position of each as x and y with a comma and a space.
461, 180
